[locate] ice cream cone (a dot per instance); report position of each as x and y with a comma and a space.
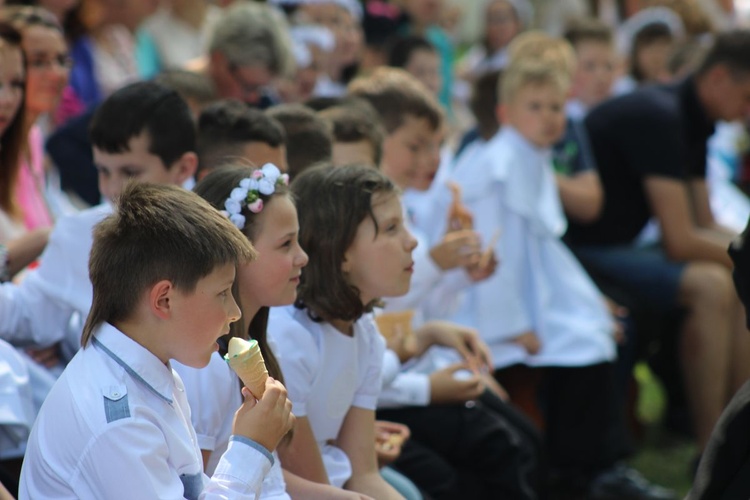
247, 362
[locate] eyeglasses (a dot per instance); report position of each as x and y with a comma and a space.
61, 61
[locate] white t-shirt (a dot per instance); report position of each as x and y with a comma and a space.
326, 373
214, 396
117, 425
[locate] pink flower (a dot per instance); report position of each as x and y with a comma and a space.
257, 174
256, 206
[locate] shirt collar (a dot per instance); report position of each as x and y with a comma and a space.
521, 142
138, 361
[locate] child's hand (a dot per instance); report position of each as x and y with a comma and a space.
464, 340
446, 389
265, 421
389, 437
483, 268
403, 343
457, 249
529, 341
619, 315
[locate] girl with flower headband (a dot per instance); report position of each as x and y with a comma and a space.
259, 203
329, 348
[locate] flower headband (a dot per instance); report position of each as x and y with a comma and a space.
261, 182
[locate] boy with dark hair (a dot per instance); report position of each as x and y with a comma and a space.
308, 137
143, 132
160, 292
229, 129
357, 132
417, 56
656, 169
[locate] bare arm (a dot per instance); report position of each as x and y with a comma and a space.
301, 455
582, 196
683, 239
302, 489
703, 215
25, 250
357, 439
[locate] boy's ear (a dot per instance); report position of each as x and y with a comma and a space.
160, 299
186, 167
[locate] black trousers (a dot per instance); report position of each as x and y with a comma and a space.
585, 433
466, 451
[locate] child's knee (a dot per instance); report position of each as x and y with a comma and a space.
707, 284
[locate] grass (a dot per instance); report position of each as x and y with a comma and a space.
664, 458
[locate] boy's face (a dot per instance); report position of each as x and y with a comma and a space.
360, 152
653, 60
405, 148
261, 153
595, 72
202, 316
136, 164
429, 164
424, 65
538, 113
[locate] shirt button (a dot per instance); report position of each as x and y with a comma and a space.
115, 394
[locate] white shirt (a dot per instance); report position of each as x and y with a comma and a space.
539, 285
214, 396
117, 425
177, 42
326, 373
16, 403
37, 310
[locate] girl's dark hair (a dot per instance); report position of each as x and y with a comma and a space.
13, 138
332, 203
215, 189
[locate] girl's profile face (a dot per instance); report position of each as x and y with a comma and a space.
502, 24
11, 85
272, 279
379, 262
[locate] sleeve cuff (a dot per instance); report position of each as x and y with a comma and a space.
365, 402
254, 445
408, 389
207, 443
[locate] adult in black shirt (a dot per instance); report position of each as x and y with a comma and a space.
650, 147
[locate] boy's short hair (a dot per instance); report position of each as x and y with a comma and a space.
588, 29
226, 126
332, 202
402, 48
395, 94
730, 48
355, 120
144, 107
189, 84
540, 46
531, 73
309, 139
157, 232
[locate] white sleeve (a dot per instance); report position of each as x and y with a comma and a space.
406, 389
297, 355
144, 470
366, 395
37, 310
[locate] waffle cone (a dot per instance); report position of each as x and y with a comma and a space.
250, 367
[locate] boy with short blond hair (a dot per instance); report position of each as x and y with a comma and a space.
117, 423
540, 308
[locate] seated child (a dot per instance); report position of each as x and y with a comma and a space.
116, 425
540, 308
229, 130
329, 348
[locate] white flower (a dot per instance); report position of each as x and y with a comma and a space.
271, 171
238, 220
238, 194
232, 206
245, 183
252, 185
267, 186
